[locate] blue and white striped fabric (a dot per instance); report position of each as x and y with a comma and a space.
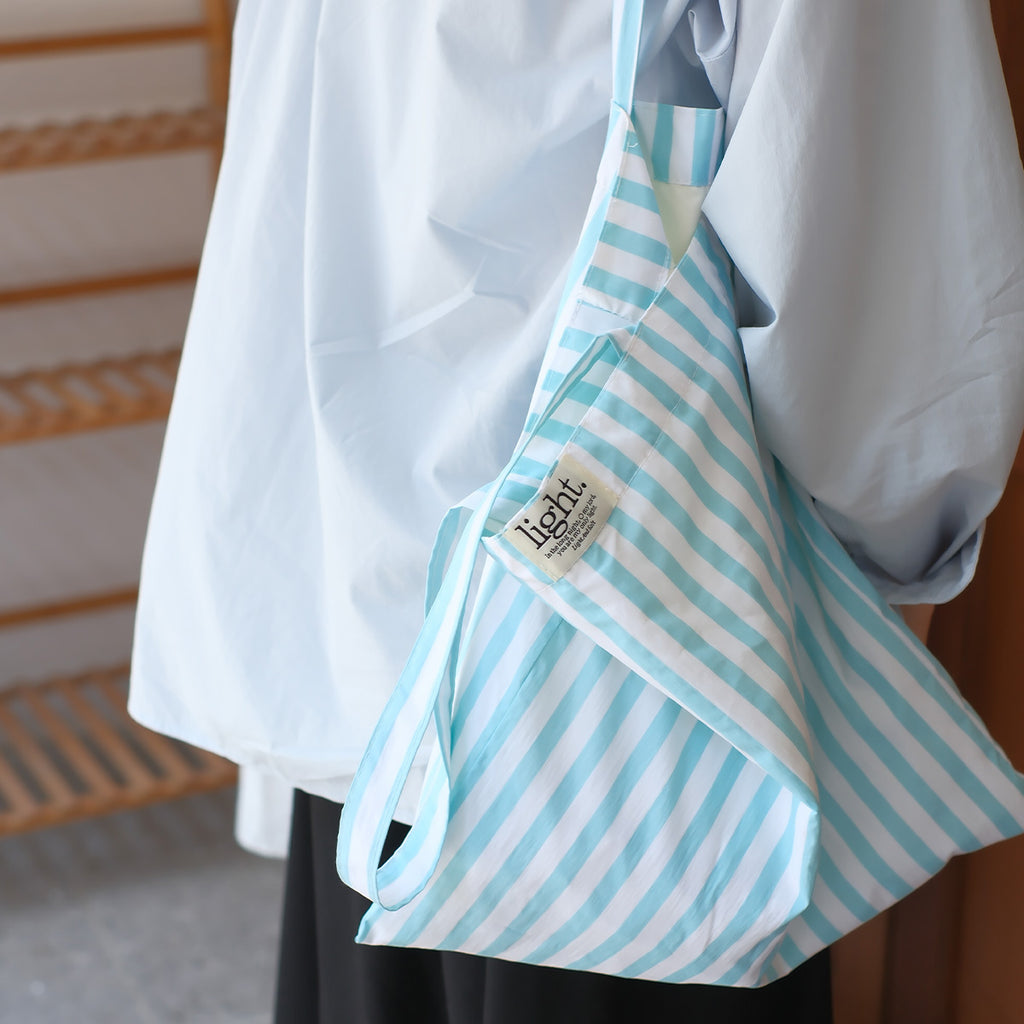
676, 733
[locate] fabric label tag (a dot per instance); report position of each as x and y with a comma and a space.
557, 528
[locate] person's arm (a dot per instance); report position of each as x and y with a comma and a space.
872, 199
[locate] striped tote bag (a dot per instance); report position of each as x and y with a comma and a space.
675, 733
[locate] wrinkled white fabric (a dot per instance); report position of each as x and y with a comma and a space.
401, 191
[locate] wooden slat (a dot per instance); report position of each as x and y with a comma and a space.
218, 48
164, 35
116, 393
218, 64
159, 748
77, 730
71, 606
137, 775
33, 414
22, 804
36, 759
80, 759
98, 285
144, 385
52, 144
95, 377
72, 399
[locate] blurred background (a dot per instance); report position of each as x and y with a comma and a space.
111, 121
123, 897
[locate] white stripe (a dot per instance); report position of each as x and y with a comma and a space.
860, 878
690, 440
731, 894
936, 717
661, 586
890, 788
495, 773
783, 896
666, 648
655, 857
577, 814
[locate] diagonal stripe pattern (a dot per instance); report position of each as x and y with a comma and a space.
705, 748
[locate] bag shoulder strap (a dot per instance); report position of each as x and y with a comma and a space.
627, 22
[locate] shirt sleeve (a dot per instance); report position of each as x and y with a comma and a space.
871, 197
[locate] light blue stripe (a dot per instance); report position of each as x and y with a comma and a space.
711, 250
758, 898
637, 244
679, 517
732, 976
886, 751
703, 903
704, 157
876, 801
619, 287
529, 469
738, 627
575, 859
694, 701
844, 891
498, 643
790, 952
637, 194
555, 431
522, 775
687, 413
651, 432
661, 145
583, 395
500, 728
412, 689
717, 661
853, 836
451, 529
597, 375
432, 802
885, 633
519, 492
627, 53
825, 931
936, 746
606, 888
712, 263
685, 318
667, 881
549, 645
867, 612
681, 461
599, 358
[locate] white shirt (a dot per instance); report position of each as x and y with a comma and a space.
401, 192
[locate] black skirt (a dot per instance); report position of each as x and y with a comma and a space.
324, 977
